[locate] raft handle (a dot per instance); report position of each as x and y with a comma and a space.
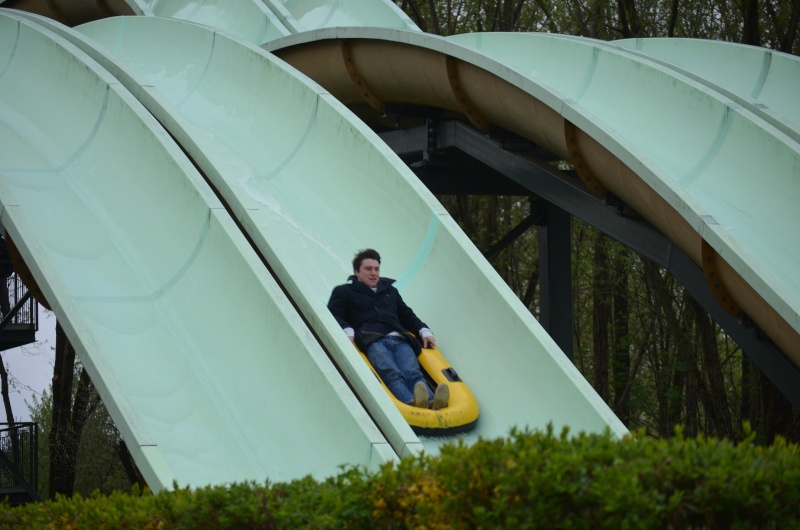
451, 375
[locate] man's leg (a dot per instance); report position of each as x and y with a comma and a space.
382, 359
408, 365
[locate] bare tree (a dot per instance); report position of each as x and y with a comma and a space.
69, 416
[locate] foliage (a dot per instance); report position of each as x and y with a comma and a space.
770, 23
485, 220
527, 480
98, 468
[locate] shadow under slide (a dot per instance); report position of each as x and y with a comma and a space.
205, 366
311, 184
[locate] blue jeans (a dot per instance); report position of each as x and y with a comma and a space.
395, 362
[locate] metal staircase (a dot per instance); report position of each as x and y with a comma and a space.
19, 463
20, 322
19, 315
19, 449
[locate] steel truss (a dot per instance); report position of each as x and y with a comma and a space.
452, 158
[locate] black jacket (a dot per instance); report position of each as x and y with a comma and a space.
373, 314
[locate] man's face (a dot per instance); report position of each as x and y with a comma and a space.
369, 272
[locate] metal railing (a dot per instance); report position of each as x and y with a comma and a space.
14, 294
19, 460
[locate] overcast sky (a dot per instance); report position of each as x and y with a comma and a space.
31, 367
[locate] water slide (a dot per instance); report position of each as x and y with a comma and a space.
202, 361
286, 159
308, 183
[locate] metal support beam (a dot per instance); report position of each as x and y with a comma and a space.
511, 236
443, 180
555, 275
565, 191
430, 139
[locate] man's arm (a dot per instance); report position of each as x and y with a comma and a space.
337, 305
428, 340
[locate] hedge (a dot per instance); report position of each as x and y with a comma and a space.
527, 480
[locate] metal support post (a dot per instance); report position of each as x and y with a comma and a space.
555, 274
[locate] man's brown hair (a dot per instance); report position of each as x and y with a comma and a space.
361, 255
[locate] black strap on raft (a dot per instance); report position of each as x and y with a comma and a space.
451, 375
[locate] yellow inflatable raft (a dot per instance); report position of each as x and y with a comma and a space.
459, 416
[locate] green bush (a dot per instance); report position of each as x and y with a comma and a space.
527, 480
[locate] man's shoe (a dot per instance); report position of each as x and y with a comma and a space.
421, 395
441, 397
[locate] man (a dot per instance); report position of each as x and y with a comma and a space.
372, 313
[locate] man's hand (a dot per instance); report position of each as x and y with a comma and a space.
429, 342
